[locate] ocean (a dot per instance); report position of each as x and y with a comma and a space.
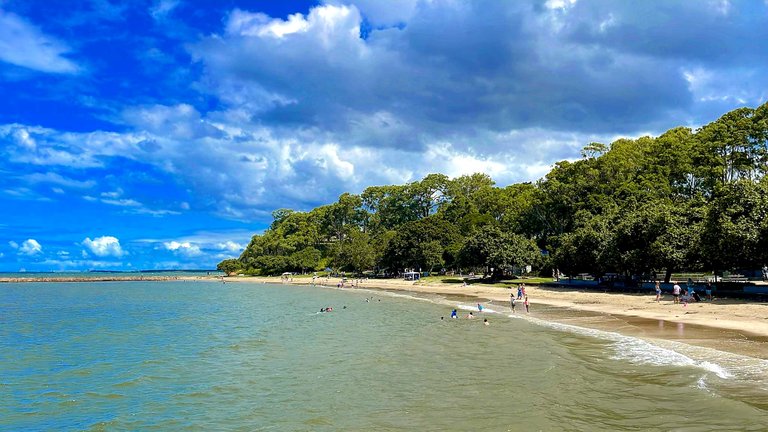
202, 355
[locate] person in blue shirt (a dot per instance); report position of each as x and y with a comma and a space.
453, 314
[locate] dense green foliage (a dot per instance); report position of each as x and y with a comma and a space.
686, 200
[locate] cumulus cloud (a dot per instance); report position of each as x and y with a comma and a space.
183, 248
23, 44
29, 247
230, 246
105, 246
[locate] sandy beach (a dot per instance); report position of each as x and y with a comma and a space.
636, 314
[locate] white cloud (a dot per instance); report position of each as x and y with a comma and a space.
104, 246
258, 24
30, 247
23, 44
13, 244
559, 4
183, 248
58, 179
66, 264
230, 246
388, 13
162, 8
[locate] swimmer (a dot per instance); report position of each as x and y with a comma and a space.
485, 322
454, 314
470, 316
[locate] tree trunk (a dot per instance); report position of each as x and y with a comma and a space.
668, 275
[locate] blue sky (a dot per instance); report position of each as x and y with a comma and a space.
148, 134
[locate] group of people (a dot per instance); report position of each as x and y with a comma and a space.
513, 303
690, 294
521, 295
470, 315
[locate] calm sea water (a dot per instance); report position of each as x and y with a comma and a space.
104, 274
209, 356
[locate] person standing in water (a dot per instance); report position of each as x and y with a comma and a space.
453, 314
479, 307
519, 291
512, 302
527, 305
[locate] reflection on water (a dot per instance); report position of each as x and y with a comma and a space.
197, 355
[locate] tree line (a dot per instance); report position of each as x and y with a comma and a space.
692, 200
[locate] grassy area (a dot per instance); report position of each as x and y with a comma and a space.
530, 281
442, 279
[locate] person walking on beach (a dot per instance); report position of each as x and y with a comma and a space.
676, 293
512, 302
519, 291
658, 292
527, 305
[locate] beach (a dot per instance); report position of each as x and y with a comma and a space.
633, 314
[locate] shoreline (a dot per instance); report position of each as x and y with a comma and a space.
731, 325
726, 314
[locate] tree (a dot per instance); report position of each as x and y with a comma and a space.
734, 231
492, 248
355, 253
229, 266
306, 259
432, 254
404, 250
586, 249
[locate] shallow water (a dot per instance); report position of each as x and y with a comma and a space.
212, 356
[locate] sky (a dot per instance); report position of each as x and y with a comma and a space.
161, 134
